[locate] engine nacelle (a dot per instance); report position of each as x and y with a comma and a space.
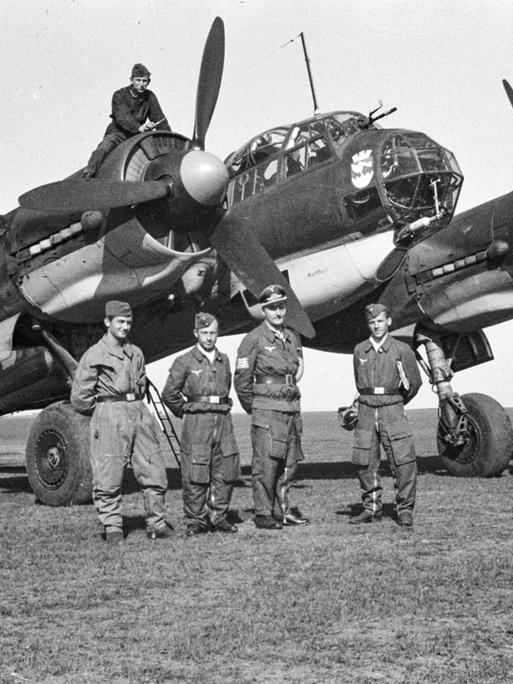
69, 270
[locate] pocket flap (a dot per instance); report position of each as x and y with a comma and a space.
399, 430
200, 454
259, 421
279, 431
362, 439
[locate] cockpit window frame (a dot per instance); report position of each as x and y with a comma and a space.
312, 139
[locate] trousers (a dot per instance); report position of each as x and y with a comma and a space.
122, 434
110, 140
276, 442
210, 465
386, 426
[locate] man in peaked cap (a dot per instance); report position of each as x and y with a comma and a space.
109, 384
269, 365
135, 109
387, 377
197, 390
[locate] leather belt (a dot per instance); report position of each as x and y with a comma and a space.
380, 391
208, 399
275, 379
130, 396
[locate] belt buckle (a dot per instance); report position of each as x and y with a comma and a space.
379, 390
130, 396
289, 379
214, 400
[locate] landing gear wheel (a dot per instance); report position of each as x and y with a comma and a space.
490, 446
57, 456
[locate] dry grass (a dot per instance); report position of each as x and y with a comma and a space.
326, 603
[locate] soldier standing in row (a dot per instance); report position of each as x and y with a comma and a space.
269, 365
110, 384
387, 377
198, 389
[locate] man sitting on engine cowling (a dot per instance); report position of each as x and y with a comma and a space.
135, 109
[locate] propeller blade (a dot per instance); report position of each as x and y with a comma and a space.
245, 256
509, 90
95, 193
209, 82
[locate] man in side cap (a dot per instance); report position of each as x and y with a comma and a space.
387, 377
269, 366
198, 389
135, 109
109, 384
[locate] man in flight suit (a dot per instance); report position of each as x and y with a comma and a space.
109, 384
135, 109
198, 389
387, 377
269, 365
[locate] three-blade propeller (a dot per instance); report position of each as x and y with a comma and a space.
201, 177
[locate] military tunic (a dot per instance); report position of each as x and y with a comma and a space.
122, 432
265, 382
386, 379
129, 111
198, 391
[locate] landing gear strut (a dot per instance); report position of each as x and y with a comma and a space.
475, 437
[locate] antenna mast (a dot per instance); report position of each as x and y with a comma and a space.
307, 60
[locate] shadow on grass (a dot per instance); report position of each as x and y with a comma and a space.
342, 470
388, 510
17, 481
433, 465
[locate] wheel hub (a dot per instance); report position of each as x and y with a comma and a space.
52, 459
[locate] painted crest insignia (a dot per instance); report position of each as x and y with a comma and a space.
361, 168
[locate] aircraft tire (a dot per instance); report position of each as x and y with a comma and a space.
57, 457
490, 447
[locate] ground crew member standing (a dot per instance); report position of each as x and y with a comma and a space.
387, 377
198, 389
135, 109
269, 365
109, 384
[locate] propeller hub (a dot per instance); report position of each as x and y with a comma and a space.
204, 176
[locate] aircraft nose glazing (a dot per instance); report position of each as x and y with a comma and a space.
204, 177
419, 177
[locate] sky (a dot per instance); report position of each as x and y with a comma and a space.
439, 62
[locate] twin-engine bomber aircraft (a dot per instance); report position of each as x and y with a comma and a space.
334, 207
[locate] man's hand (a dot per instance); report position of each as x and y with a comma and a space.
147, 126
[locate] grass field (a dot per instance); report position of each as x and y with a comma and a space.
323, 603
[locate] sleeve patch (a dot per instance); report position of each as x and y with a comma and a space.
242, 363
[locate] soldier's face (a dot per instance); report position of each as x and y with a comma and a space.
275, 313
207, 337
379, 325
140, 83
119, 327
